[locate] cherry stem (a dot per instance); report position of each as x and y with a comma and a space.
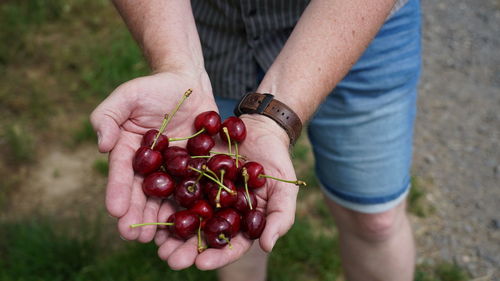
150, 223
162, 129
186, 138
296, 182
223, 237
201, 248
215, 180
236, 152
206, 169
217, 197
247, 194
228, 138
228, 154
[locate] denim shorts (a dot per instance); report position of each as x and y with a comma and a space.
362, 133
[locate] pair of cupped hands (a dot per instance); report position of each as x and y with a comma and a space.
140, 105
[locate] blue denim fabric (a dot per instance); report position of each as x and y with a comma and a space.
362, 133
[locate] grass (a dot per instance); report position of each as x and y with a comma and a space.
442, 271
85, 133
19, 144
417, 204
40, 249
101, 166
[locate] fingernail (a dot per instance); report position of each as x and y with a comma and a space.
123, 238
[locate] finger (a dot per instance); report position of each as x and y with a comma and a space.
215, 258
280, 215
185, 255
166, 209
110, 114
167, 248
134, 213
150, 215
121, 177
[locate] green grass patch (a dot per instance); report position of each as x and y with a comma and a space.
300, 151
101, 166
112, 62
443, 271
85, 133
47, 249
19, 145
304, 254
417, 204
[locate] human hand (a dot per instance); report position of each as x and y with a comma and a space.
266, 143
121, 120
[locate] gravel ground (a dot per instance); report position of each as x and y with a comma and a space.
457, 148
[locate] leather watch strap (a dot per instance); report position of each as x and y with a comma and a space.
265, 104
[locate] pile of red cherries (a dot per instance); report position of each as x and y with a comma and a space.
215, 189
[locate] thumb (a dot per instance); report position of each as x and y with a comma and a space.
108, 117
107, 131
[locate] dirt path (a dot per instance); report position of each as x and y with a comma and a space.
458, 133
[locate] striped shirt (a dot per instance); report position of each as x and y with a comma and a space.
239, 36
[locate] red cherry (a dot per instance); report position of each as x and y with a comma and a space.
185, 224
146, 160
255, 169
158, 184
208, 120
149, 137
241, 203
220, 162
170, 152
196, 163
253, 224
200, 145
217, 232
187, 192
178, 166
226, 199
232, 217
236, 129
203, 209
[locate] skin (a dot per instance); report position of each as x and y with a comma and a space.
328, 39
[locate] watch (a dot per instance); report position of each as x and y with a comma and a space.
267, 105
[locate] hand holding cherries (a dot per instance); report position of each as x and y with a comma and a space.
215, 188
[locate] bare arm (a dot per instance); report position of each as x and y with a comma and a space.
165, 30
327, 41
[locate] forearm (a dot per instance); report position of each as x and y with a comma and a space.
326, 42
165, 30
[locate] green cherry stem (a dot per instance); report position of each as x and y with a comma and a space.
217, 197
236, 152
150, 223
184, 97
228, 139
201, 248
229, 154
200, 156
245, 180
186, 138
296, 182
223, 237
215, 180
160, 131
168, 117
206, 169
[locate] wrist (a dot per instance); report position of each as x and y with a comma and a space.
273, 109
267, 125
